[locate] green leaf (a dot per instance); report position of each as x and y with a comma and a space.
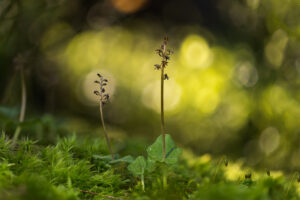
151, 165
155, 151
127, 159
137, 167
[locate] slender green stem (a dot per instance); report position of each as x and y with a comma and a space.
24, 95
143, 182
165, 179
23, 105
162, 113
162, 79
104, 128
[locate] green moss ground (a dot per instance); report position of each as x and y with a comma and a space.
30, 170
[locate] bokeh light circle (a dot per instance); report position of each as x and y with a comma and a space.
84, 51
172, 95
246, 74
195, 52
269, 140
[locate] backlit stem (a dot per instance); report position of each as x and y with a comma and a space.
143, 181
23, 105
104, 128
162, 99
162, 113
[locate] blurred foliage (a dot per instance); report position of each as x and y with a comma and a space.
234, 83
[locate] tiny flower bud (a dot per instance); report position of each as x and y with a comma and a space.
159, 52
166, 77
102, 90
99, 75
157, 66
106, 96
96, 92
165, 63
170, 52
97, 82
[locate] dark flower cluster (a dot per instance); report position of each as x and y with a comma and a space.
102, 83
164, 53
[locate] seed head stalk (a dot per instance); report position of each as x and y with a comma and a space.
164, 53
162, 99
105, 132
103, 99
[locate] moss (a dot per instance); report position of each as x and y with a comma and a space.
63, 171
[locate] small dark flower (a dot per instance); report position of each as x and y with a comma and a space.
106, 96
165, 63
159, 52
169, 52
104, 84
157, 66
96, 92
97, 82
102, 90
166, 77
105, 80
167, 57
99, 75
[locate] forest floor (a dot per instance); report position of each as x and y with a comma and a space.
79, 167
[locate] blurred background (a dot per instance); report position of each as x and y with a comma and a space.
234, 86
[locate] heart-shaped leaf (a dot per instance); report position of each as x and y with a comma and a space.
155, 151
151, 165
137, 167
